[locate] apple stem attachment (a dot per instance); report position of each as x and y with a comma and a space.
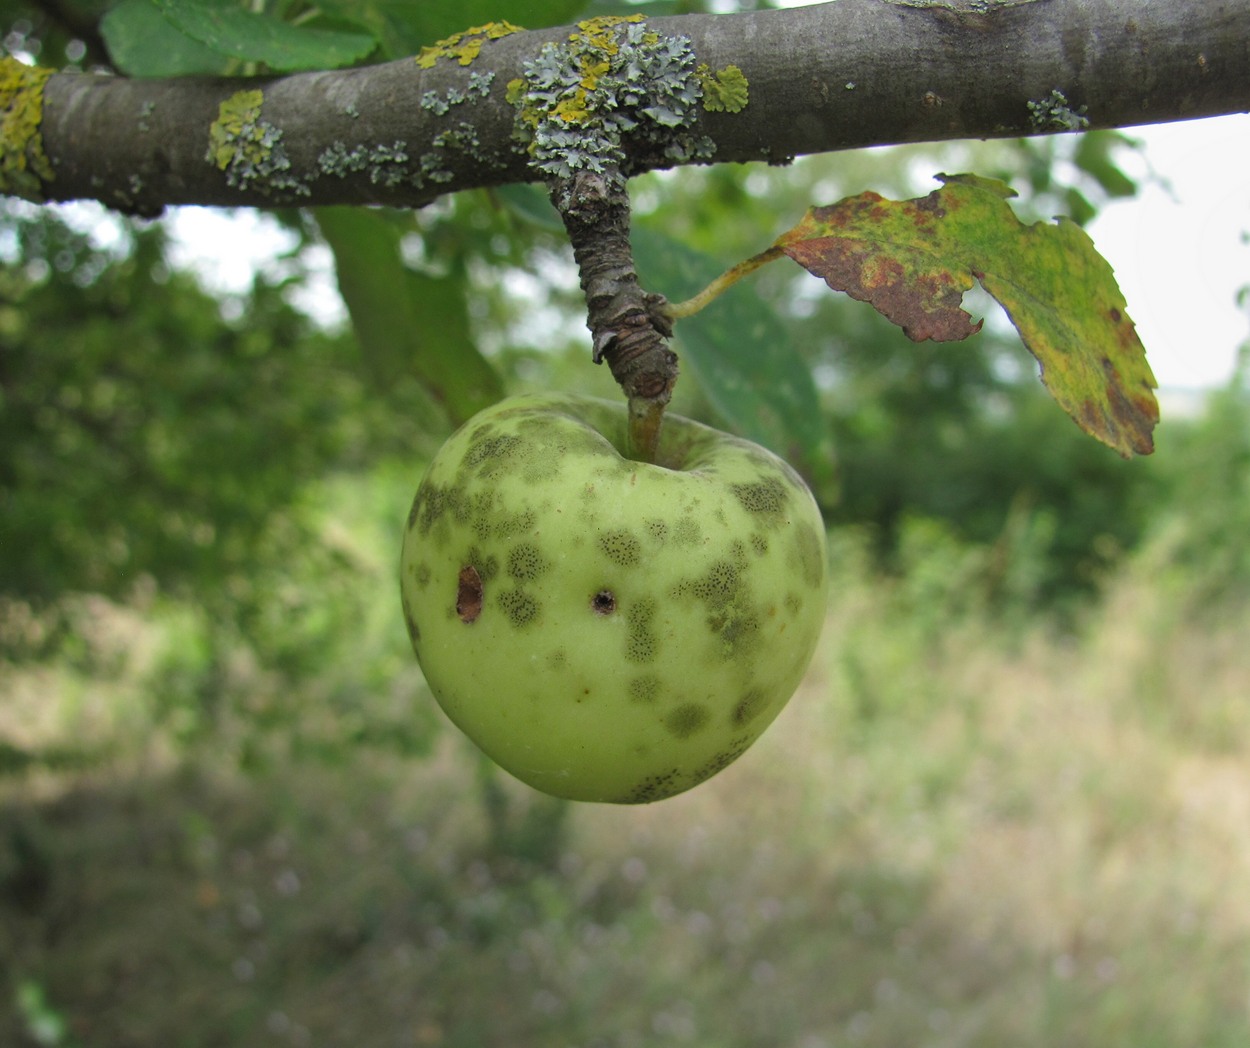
629, 327
681, 310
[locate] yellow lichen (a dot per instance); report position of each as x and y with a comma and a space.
24, 166
464, 47
236, 133
599, 33
724, 91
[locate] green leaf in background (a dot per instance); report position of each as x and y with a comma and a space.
403, 27
741, 356
529, 204
225, 27
406, 322
142, 42
913, 260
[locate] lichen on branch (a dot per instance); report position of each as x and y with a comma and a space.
24, 166
582, 99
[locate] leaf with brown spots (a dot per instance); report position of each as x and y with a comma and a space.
913, 260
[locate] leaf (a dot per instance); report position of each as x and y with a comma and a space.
913, 260
406, 322
142, 42
228, 29
742, 359
404, 27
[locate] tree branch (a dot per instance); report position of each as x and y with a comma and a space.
842, 75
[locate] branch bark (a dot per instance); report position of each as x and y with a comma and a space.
837, 76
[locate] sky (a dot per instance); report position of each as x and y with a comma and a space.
1180, 249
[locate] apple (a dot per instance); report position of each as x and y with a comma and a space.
603, 628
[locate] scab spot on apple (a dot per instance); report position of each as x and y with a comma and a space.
653, 788
765, 498
489, 455
759, 543
719, 585
749, 706
603, 602
414, 631
641, 643
469, 594
520, 608
723, 759
644, 689
526, 563
687, 532
687, 719
810, 549
621, 547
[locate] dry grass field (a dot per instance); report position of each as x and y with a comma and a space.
965, 830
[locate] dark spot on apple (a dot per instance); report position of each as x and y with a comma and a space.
794, 603
653, 788
723, 759
640, 641
644, 689
687, 532
620, 547
422, 575
749, 706
427, 508
520, 608
767, 497
687, 719
508, 524
487, 567
658, 530
719, 586
525, 562
557, 659
811, 554
489, 455
414, 631
469, 594
736, 629
759, 544
603, 602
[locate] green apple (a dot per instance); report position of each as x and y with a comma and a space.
602, 628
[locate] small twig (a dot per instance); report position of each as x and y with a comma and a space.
629, 327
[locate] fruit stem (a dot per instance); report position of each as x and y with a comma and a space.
680, 310
629, 327
643, 437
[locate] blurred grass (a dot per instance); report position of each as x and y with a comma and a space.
967, 829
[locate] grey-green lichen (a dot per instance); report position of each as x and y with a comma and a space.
1055, 113
386, 165
612, 78
249, 149
24, 166
440, 105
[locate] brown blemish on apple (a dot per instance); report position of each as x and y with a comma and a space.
469, 594
603, 602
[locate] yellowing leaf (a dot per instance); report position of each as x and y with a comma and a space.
913, 260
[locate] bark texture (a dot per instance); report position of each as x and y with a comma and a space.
836, 76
